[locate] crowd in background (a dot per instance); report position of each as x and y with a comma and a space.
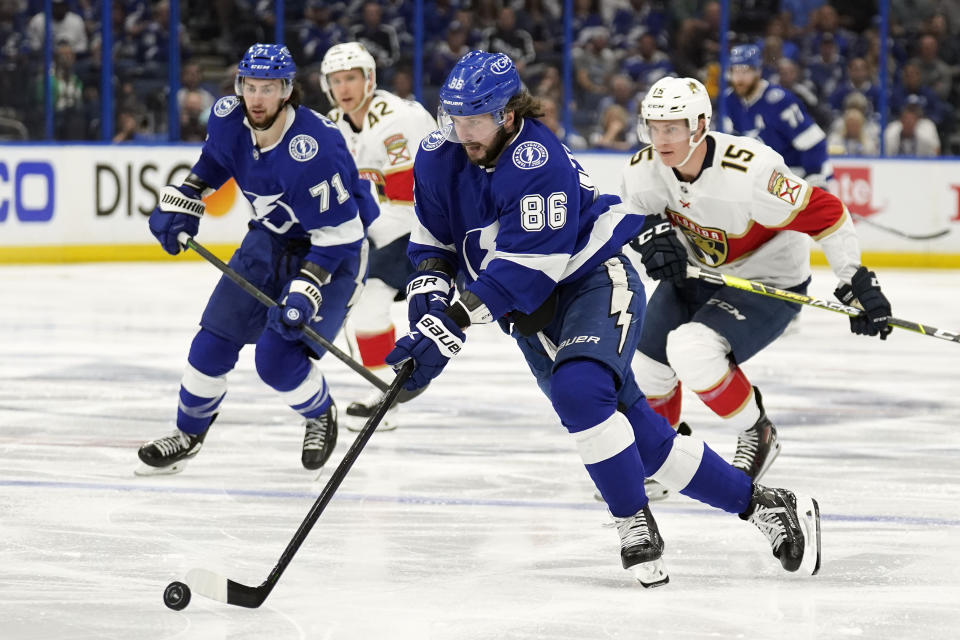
827, 53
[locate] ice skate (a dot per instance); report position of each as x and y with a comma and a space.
641, 548
360, 411
757, 447
319, 438
169, 454
791, 524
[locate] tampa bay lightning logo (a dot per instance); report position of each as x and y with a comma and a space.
530, 155
303, 147
225, 105
433, 141
501, 65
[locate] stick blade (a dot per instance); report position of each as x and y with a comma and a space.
208, 584
216, 587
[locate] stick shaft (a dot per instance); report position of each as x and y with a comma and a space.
308, 332
791, 296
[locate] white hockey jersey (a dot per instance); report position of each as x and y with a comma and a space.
384, 149
746, 214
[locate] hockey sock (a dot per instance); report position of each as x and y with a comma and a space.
686, 464
374, 347
311, 398
668, 406
204, 382
732, 399
584, 395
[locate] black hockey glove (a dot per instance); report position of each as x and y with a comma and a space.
663, 256
865, 289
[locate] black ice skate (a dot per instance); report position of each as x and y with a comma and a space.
757, 447
319, 438
791, 524
170, 454
360, 411
641, 548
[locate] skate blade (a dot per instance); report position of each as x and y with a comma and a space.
650, 574
809, 512
769, 461
146, 470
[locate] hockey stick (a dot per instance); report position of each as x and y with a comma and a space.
791, 296
212, 585
308, 333
897, 232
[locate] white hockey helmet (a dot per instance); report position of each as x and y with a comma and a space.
346, 56
677, 99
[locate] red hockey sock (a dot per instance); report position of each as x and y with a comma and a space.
374, 347
730, 395
668, 406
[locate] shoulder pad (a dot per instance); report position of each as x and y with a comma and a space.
225, 106
775, 95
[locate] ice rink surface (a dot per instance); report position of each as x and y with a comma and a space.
475, 519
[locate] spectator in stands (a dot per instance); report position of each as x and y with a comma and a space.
911, 88
647, 63
378, 38
68, 113
437, 16
911, 134
550, 86
506, 37
947, 46
194, 114
851, 137
935, 72
153, 44
698, 42
403, 84
614, 132
622, 92
826, 22
319, 31
446, 53
825, 69
474, 33
66, 27
859, 78
128, 127
551, 118
636, 18
771, 52
593, 64
800, 13
191, 81
539, 20
586, 15
789, 77
751, 16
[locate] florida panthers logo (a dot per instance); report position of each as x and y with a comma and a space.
530, 155
710, 245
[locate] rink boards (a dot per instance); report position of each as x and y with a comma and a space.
80, 203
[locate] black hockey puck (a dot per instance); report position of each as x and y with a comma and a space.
176, 596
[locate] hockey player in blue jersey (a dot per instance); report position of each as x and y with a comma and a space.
305, 246
503, 207
775, 116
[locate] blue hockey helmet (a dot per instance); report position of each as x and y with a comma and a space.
269, 62
480, 83
746, 55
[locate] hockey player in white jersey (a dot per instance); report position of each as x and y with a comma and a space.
383, 133
727, 203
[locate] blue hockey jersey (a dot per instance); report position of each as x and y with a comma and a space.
778, 119
304, 186
518, 229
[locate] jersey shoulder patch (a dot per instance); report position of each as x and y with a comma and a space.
303, 147
433, 140
530, 155
775, 95
225, 105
